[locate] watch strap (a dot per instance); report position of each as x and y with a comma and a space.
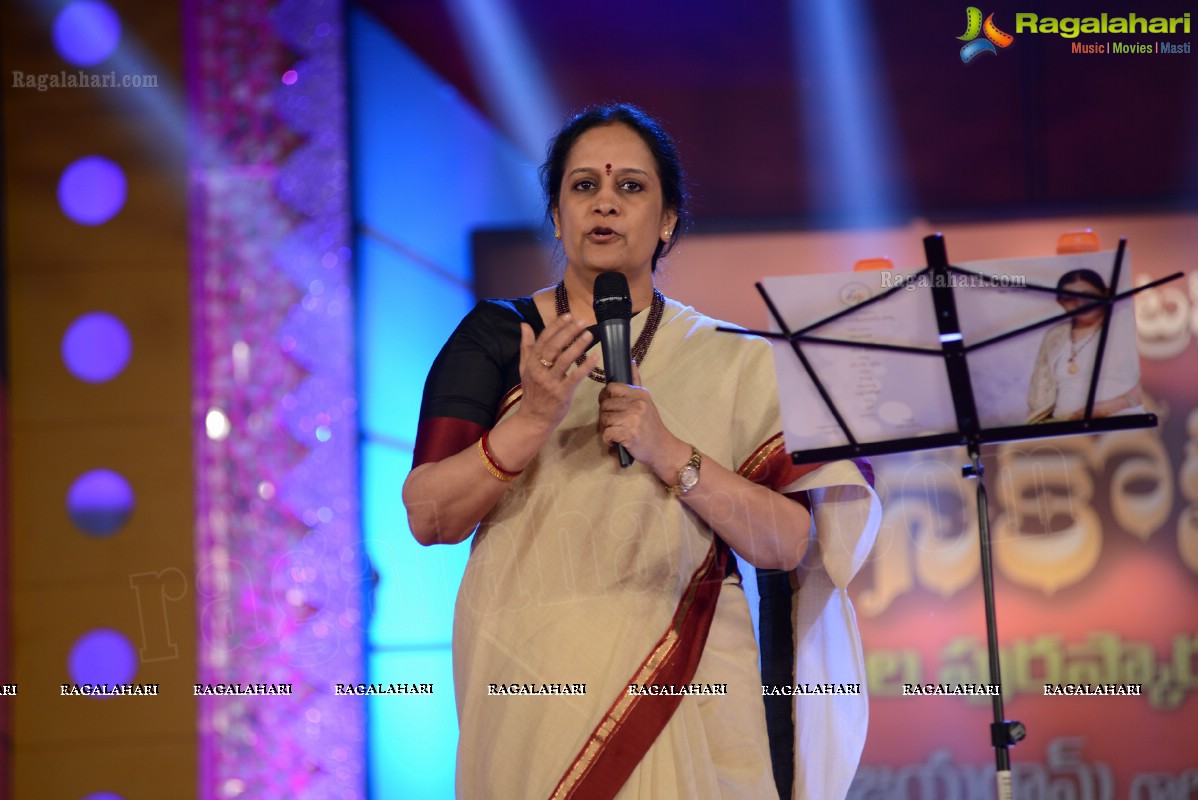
695, 461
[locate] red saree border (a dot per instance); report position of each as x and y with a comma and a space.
442, 437
770, 465
633, 722
754, 466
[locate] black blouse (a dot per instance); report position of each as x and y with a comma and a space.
470, 376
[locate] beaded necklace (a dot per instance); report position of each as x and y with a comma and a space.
639, 348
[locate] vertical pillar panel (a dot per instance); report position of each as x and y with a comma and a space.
139, 581
278, 539
415, 276
413, 737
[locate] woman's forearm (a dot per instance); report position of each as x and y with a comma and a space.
446, 500
1128, 400
767, 529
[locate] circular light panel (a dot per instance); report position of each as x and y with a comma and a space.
91, 190
86, 32
102, 656
100, 502
96, 347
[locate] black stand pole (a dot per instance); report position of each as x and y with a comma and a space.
1003, 732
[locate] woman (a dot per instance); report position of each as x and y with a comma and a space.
1060, 382
583, 574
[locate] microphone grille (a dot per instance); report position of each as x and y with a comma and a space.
611, 297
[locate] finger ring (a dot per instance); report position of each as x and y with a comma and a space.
548, 364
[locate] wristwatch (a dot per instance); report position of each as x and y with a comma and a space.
688, 476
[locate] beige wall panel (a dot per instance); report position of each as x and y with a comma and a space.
140, 581
49, 620
149, 769
159, 532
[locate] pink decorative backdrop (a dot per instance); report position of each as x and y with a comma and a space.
281, 575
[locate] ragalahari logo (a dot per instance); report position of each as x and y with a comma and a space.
973, 26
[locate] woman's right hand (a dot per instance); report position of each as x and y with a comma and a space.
447, 498
548, 376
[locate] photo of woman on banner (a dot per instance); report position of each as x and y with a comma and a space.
1060, 382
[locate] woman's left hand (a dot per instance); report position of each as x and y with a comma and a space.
628, 416
766, 528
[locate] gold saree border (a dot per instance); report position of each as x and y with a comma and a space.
760, 456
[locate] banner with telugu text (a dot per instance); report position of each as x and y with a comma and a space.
1096, 583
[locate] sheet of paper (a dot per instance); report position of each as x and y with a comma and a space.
885, 395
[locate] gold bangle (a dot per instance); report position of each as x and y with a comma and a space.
489, 462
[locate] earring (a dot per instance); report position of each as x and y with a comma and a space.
557, 233
665, 235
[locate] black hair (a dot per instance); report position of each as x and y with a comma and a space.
662, 147
1087, 276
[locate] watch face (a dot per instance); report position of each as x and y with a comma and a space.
688, 477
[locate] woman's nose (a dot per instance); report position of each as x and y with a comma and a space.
606, 201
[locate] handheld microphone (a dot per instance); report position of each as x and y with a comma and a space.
613, 311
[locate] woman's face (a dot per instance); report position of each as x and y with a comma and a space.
610, 212
1068, 303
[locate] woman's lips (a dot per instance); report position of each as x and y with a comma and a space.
601, 234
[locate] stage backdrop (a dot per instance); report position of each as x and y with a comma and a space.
418, 152
1096, 537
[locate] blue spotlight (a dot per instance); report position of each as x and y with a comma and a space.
89, 33
850, 162
505, 65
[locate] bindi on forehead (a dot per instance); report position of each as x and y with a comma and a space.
608, 169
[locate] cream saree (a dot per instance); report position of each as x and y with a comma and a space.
587, 574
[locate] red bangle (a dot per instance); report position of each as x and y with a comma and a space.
491, 464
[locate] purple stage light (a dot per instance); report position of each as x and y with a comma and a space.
96, 347
100, 502
91, 190
87, 32
103, 656
103, 796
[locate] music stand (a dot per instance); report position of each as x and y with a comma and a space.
969, 432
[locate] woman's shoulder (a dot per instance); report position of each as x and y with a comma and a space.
1058, 335
699, 327
504, 310
500, 317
